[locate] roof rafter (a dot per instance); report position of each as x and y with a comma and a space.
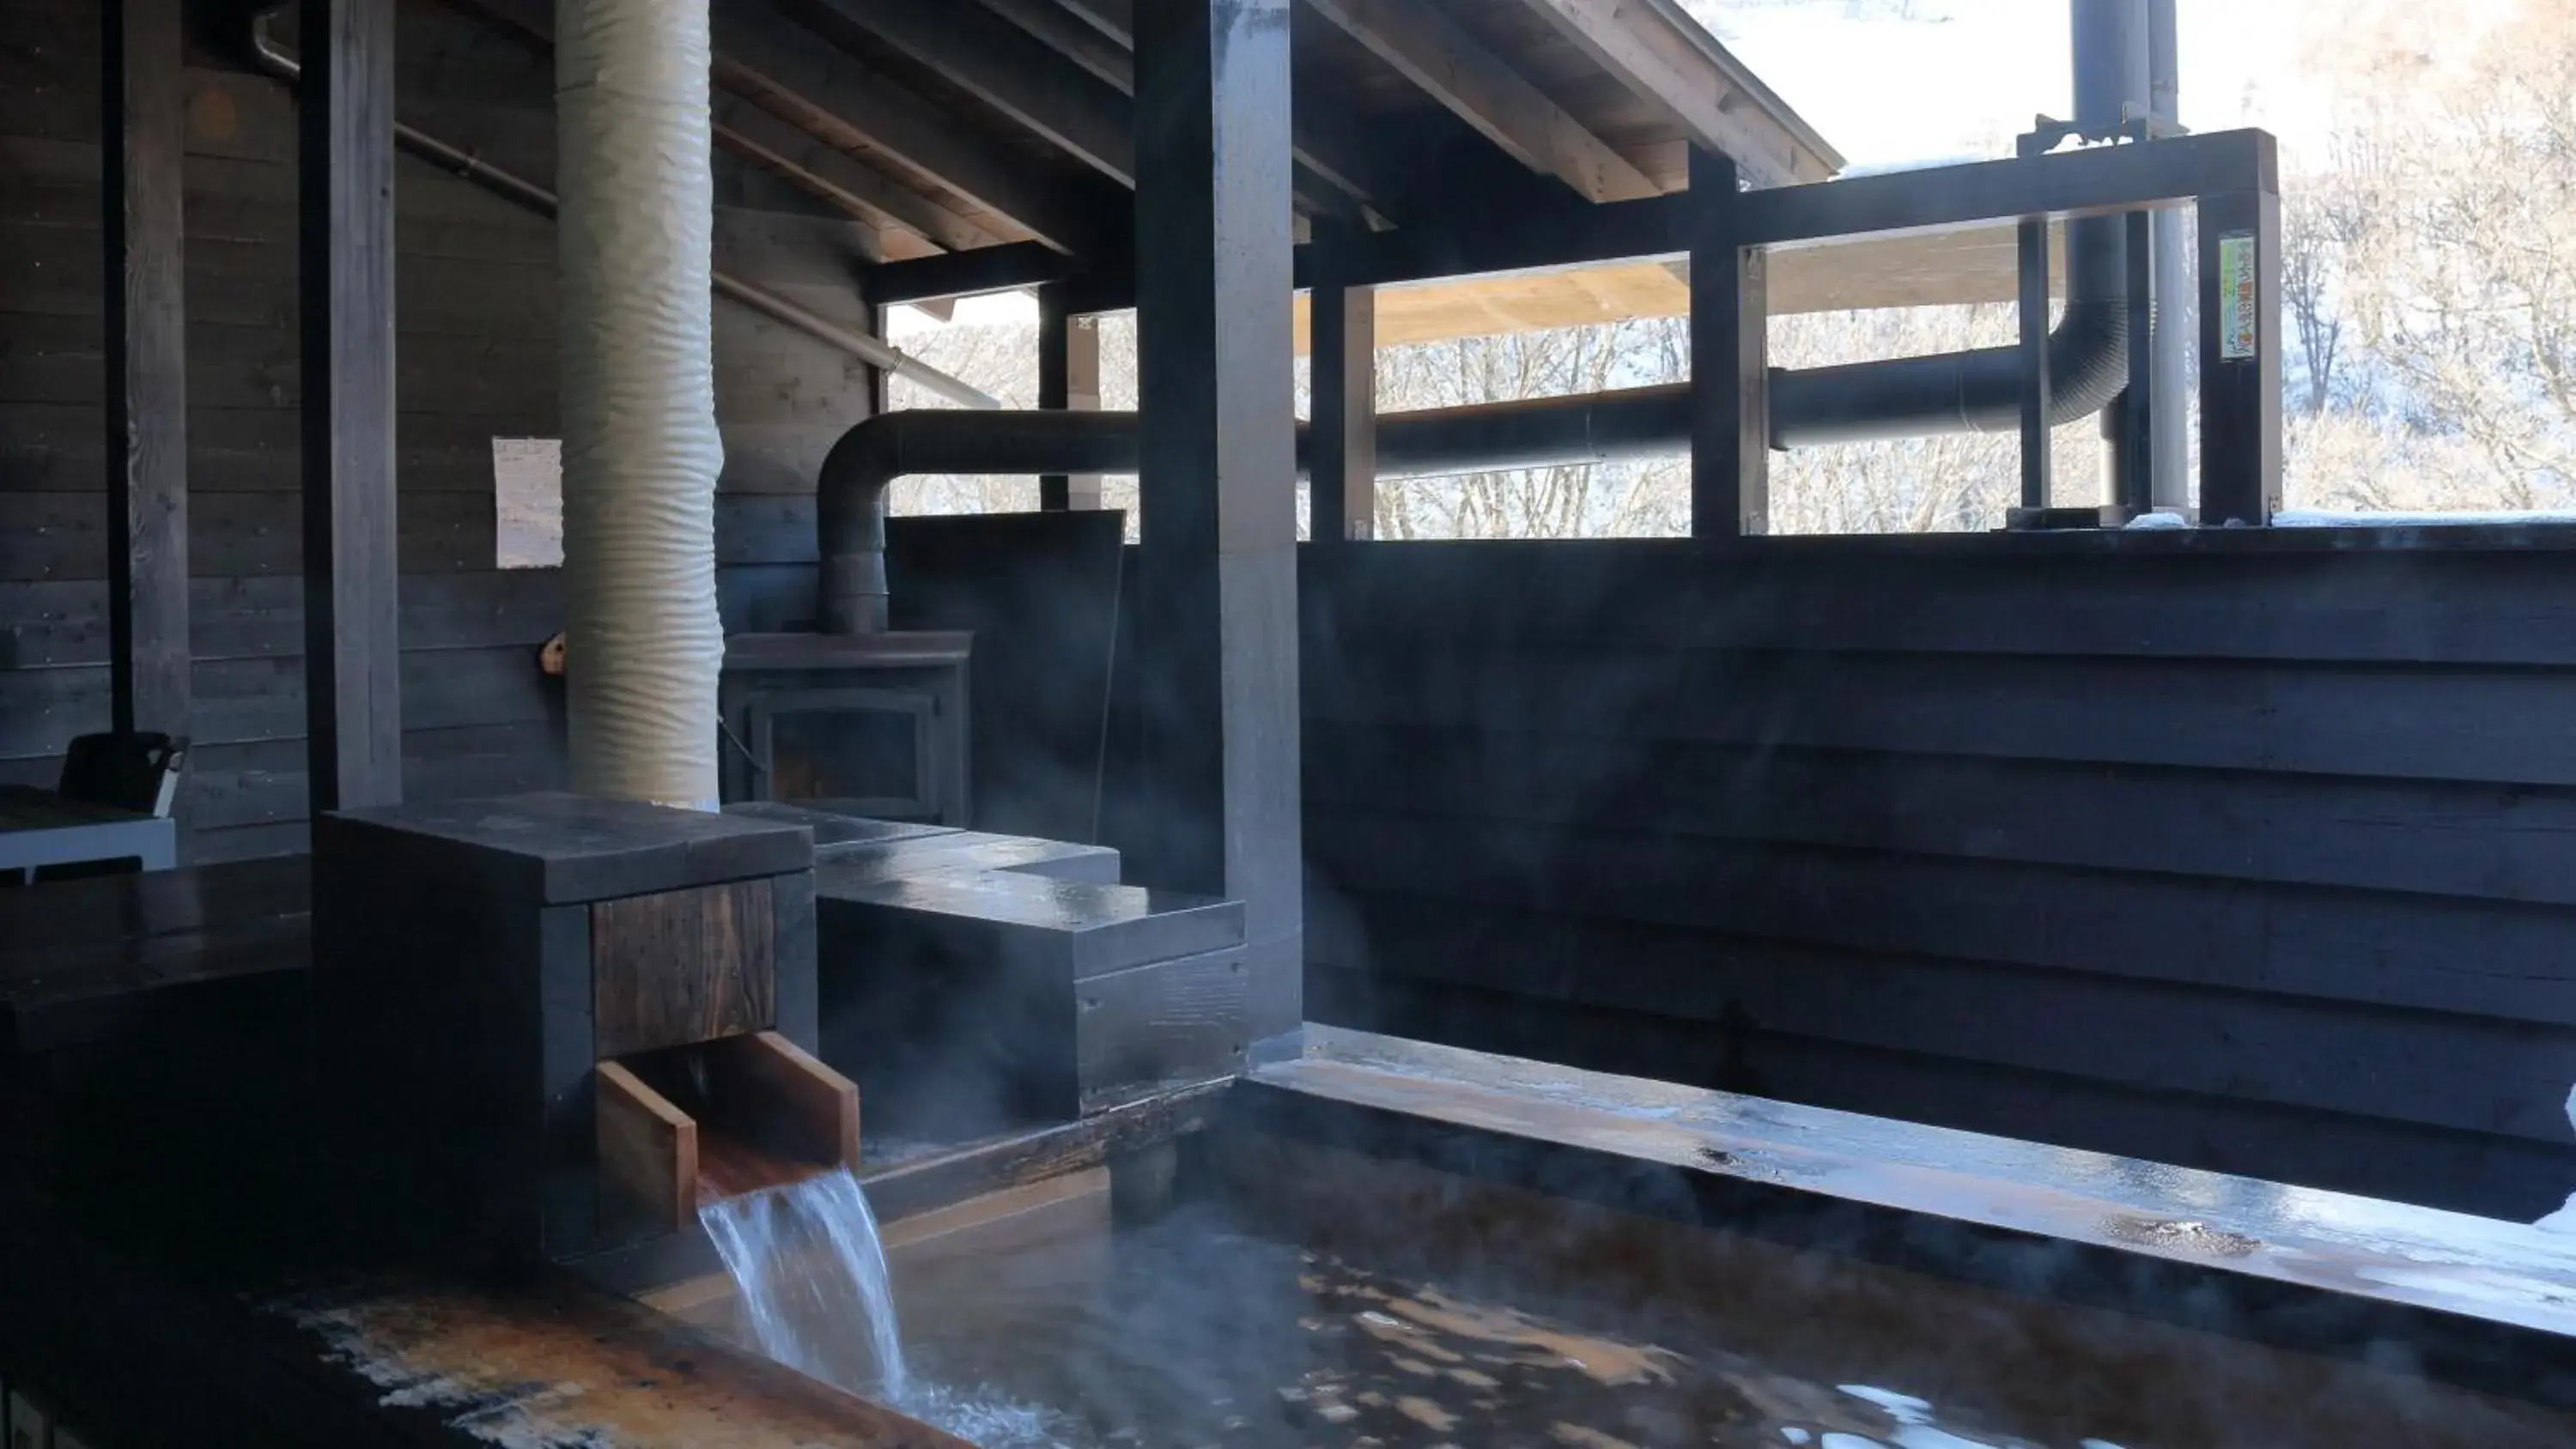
1453, 68
758, 136
1339, 171
830, 93
1008, 69
805, 160
1659, 61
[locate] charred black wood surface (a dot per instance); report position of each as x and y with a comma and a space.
474, 359
2240, 855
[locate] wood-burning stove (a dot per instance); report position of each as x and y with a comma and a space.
876, 723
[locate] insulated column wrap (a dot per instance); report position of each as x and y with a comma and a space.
640, 449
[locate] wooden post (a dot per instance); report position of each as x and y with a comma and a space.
2036, 386
1216, 623
2139, 402
1730, 361
1341, 442
144, 131
2240, 358
352, 638
1068, 379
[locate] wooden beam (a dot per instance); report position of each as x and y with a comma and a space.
822, 88
1427, 48
1114, 18
1655, 62
823, 170
1105, 53
1010, 70
780, 146
1216, 573
968, 274
1341, 500
1068, 380
147, 366
1730, 362
1342, 173
345, 285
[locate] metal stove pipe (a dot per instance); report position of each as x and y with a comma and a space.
851, 491
1979, 390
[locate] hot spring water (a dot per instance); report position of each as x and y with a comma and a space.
807, 1261
1214, 1327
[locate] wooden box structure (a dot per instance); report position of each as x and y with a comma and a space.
972, 1000
557, 1020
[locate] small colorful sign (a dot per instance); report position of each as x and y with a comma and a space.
2240, 316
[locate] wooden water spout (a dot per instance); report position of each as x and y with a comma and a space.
591, 1013
680, 1128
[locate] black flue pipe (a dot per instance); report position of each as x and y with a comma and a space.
850, 493
1980, 390
1973, 391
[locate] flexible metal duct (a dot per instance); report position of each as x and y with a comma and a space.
640, 453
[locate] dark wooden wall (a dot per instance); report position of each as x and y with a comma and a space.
476, 298
2261, 861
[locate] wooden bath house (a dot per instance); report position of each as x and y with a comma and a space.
490, 789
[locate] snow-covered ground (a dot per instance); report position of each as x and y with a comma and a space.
2329, 518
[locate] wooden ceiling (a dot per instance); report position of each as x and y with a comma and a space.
1924, 269
957, 125
952, 125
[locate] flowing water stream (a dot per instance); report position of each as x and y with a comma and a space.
808, 1263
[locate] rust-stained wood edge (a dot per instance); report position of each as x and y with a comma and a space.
648, 1151
902, 1190
2481, 1304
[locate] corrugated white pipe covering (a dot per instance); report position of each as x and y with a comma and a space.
640, 452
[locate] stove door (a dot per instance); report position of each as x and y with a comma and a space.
876, 752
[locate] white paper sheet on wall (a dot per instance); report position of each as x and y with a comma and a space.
527, 502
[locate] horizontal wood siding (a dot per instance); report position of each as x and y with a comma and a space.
476, 359
2263, 862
